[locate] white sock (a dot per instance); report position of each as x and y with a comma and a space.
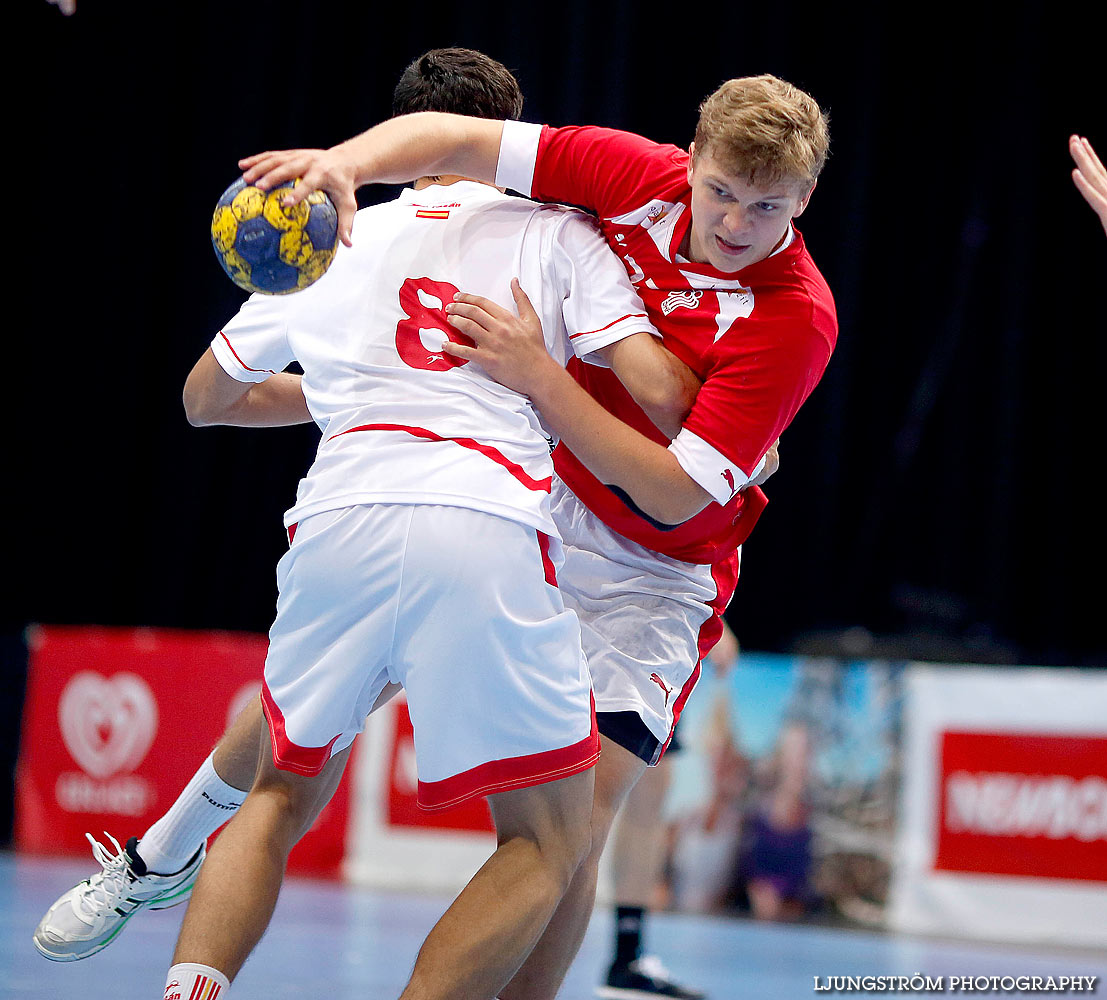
190, 981
206, 803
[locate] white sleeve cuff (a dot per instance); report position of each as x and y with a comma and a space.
709, 467
232, 364
586, 344
518, 156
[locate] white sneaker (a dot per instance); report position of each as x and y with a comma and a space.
88, 917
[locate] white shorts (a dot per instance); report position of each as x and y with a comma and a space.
460, 607
646, 619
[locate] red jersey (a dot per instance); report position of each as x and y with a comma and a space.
759, 339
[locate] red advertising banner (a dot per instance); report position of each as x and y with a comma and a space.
1023, 804
117, 720
403, 782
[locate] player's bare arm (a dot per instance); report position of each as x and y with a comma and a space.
511, 349
394, 152
212, 397
663, 385
1089, 176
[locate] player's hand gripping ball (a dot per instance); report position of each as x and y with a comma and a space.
268, 247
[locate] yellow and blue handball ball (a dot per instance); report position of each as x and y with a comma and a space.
272, 248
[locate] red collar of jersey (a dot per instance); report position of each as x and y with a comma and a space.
748, 274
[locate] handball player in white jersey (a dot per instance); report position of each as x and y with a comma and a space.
422, 552
652, 522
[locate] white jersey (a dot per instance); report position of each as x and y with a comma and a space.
402, 421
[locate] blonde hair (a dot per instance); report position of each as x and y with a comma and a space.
766, 129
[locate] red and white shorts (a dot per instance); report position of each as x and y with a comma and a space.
460, 607
646, 619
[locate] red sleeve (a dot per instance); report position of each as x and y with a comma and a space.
605, 170
757, 386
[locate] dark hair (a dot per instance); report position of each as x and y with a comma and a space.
460, 81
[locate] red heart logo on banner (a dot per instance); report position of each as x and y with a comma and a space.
107, 724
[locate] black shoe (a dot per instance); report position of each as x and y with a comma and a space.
643, 979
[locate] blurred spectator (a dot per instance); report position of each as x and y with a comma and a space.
777, 862
706, 842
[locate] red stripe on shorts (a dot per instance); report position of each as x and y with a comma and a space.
289, 756
547, 562
512, 772
725, 575
489, 452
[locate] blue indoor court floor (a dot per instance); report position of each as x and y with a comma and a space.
336, 942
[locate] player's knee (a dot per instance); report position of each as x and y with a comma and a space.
565, 841
578, 847
291, 795
564, 850
554, 820
575, 838
601, 824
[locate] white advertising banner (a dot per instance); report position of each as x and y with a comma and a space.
1002, 829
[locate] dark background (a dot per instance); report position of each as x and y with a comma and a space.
937, 495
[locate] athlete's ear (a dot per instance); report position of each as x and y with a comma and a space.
691, 159
804, 200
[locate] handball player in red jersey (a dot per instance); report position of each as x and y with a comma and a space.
707, 236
